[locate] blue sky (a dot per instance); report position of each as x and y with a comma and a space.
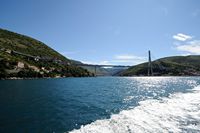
108, 31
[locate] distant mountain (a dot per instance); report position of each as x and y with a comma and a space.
104, 71
172, 66
25, 57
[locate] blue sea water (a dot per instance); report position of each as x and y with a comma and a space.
100, 104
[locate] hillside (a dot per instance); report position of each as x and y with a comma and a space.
169, 66
22, 56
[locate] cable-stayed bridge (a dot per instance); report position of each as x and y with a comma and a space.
150, 66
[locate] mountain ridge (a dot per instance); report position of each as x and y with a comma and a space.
25, 57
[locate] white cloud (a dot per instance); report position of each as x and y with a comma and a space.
105, 62
185, 54
120, 60
129, 59
97, 63
129, 62
182, 37
192, 47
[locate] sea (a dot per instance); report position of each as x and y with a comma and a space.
100, 105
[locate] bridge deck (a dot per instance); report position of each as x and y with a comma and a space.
101, 65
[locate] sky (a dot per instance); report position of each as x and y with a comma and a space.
118, 32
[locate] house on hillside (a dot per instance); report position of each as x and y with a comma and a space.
20, 65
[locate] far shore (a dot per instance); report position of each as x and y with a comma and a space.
20, 78
27, 78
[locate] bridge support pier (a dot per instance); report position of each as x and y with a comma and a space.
95, 70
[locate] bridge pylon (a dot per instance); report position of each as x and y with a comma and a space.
150, 69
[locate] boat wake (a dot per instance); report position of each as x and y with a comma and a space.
180, 112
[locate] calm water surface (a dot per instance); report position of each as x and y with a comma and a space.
102, 104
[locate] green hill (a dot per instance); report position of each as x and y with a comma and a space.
22, 56
171, 66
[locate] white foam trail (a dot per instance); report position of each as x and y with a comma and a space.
178, 113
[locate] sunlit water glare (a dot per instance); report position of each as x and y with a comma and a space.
101, 105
